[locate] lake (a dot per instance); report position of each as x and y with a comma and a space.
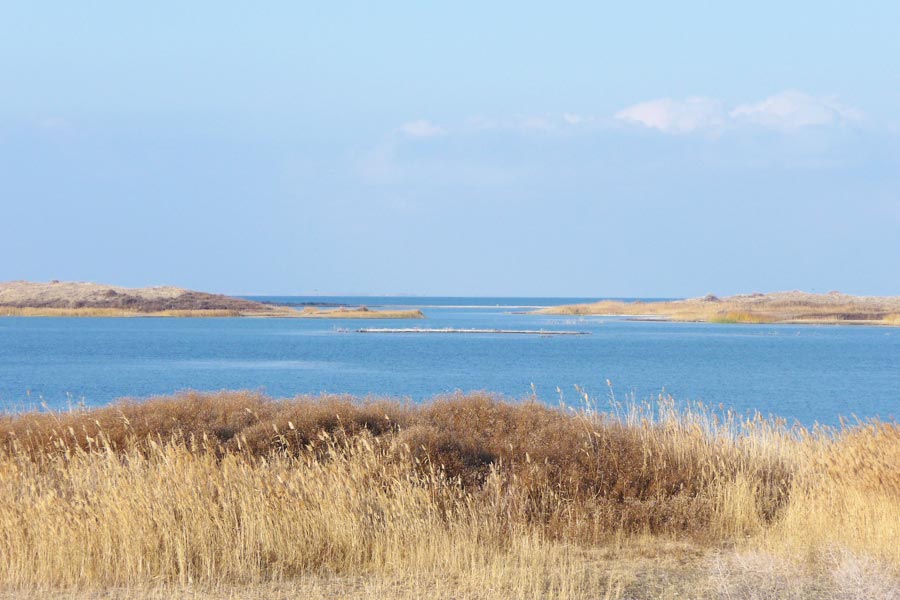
808, 373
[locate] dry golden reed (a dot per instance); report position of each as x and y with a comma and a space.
465, 496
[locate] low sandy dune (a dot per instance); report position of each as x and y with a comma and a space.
94, 299
776, 307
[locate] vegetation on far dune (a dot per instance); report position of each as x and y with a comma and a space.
739, 316
466, 496
83, 299
10, 311
359, 312
779, 307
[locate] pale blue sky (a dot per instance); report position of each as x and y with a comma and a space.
620, 149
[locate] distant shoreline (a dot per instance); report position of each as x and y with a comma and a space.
89, 300
359, 312
796, 308
450, 330
85, 299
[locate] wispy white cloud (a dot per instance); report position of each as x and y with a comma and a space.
676, 116
535, 123
54, 125
389, 165
379, 164
518, 123
785, 111
545, 123
792, 109
421, 128
574, 119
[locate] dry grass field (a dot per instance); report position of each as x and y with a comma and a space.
236, 495
778, 307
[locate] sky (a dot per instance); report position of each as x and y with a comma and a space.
584, 149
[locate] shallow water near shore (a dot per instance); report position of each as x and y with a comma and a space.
803, 372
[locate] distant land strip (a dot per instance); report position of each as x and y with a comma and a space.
833, 308
85, 299
359, 312
459, 331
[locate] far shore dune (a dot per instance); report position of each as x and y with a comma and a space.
85, 299
777, 307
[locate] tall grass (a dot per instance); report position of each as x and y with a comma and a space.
468, 496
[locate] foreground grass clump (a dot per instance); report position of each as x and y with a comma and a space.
467, 496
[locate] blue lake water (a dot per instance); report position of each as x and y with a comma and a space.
809, 373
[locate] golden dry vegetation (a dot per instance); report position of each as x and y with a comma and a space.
778, 307
237, 495
358, 312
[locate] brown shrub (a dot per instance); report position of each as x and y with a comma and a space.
570, 471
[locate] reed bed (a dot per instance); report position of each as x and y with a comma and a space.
468, 496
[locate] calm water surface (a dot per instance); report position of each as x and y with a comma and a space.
810, 373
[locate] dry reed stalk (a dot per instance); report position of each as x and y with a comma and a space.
467, 493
